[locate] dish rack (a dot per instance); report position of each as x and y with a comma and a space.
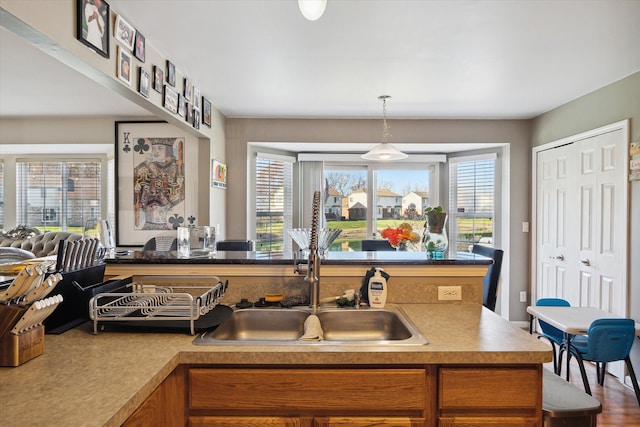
157, 298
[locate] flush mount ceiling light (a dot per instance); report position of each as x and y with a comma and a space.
384, 151
312, 9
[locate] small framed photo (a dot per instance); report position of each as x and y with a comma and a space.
139, 50
188, 90
92, 25
144, 81
196, 119
170, 100
171, 73
158, 79
218, 174
189, 114
124, 33
206, 112
181, 105
124, 65
196, 98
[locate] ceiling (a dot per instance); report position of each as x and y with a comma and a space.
437, 59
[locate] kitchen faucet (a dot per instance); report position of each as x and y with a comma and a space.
313, 265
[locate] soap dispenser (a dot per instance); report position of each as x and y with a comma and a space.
377, 290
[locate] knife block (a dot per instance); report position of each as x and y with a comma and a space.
18, 349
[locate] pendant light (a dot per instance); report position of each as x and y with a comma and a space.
312, 9
384, 151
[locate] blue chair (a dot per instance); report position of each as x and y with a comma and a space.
551, 333
608, 340
235, 245
377, 245
490, 284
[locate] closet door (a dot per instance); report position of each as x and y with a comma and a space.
556, 225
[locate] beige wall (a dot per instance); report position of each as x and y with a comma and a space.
610, 104
516, 183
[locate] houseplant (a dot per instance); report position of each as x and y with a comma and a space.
400, 236
435, 234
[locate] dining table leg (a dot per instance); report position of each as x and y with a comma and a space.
567, 340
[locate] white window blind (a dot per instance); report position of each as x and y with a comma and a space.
471, 201
274, 201
58, 195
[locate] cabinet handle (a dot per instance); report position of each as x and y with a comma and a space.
559, 257
585, 262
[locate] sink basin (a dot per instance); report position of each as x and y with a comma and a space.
341, 326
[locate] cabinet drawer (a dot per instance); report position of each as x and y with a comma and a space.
249, 422
308, 389
368, 422
487, 422
504, 388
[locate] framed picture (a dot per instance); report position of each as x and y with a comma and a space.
170, 99
196, 119
124, 66
188, 90
171, 73
189, 114
218, 174
206, 111
181, 105
124, 33
158, 79
139, 50
196, 98
155, 191
144, 81
92, 25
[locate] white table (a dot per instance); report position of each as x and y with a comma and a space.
571, 320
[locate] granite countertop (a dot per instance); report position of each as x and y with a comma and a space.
94, 380
275, 258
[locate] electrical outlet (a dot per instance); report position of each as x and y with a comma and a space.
525, 227
523, 296
449, 293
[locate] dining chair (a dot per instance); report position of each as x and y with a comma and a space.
608, 340
161, 243
490, 284
235, 245
377, 245
554, 335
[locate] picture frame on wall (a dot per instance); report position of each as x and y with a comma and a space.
158, 79
171, 73
154, 192
196, 119
140, 47
124, 65
189, 114
124, 32
92, 25
181, 105
188, 90
170, 99
196, 98
206, 112
218, 174
144, 82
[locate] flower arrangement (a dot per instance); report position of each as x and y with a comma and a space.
400, 235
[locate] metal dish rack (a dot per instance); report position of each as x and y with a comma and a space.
162, 300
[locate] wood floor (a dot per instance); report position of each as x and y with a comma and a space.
619, 405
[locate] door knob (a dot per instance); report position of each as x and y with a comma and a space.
585, 262
559, 257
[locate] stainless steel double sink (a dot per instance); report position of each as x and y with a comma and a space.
340, 326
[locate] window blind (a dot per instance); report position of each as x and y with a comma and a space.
471, 202
274, 202
58, 195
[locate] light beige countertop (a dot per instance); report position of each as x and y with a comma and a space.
94, 380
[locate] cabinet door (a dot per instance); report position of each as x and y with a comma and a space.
368, 422
209, 421
487, 422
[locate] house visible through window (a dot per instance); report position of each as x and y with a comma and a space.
471, 201
58, 195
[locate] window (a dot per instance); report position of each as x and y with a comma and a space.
58, 195
398, 193
471, 201
274, 201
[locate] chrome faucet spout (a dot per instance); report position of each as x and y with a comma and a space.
313, 266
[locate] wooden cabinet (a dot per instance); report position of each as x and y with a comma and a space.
491, 396
317, 397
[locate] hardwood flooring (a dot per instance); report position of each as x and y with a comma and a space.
619, 405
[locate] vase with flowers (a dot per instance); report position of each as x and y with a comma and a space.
399, 237
435, 234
